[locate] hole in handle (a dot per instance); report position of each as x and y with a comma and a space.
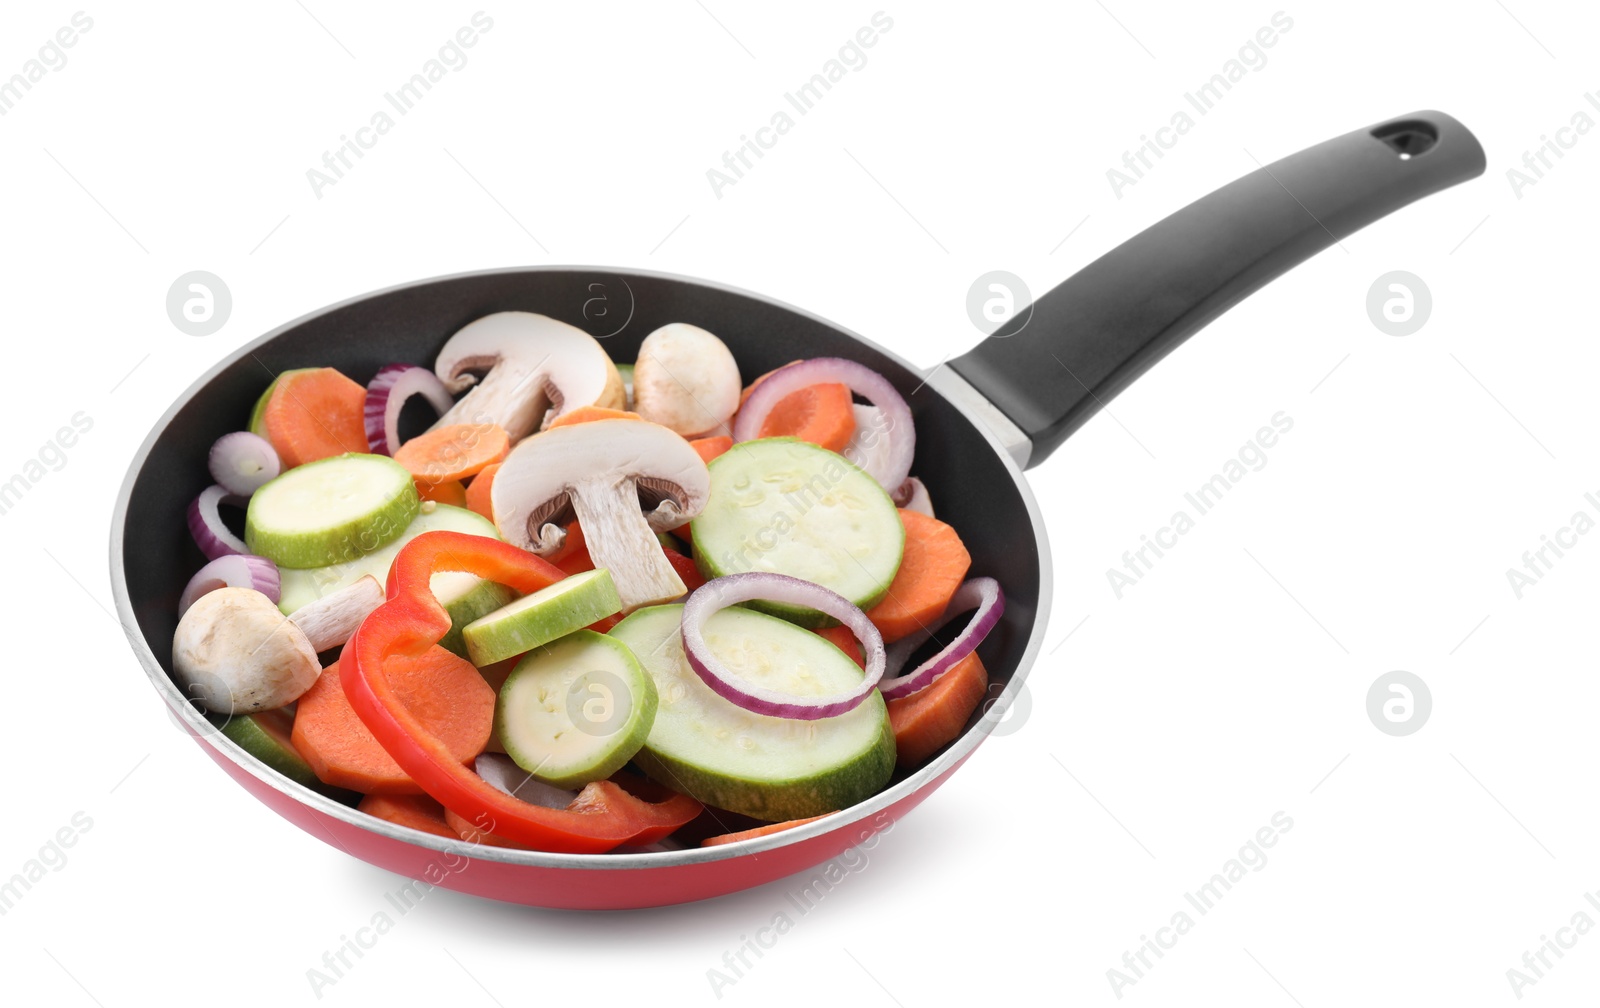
1408, 138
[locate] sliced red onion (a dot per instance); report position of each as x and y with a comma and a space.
913, 496
982, 594
722, 592
890, 464
502, 773
206, 525
388, 392
242, 570
241, 462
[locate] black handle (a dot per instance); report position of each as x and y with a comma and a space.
1107, 324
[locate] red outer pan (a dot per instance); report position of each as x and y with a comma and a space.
982, 419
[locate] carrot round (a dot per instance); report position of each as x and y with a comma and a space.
584, 414
313, 414
934, 715
821, 414
710, 447
419, 812
728, 838
454, 452
931, 569
448, 492
478, 491
445, 692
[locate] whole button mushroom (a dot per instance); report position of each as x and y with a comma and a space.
236, 653
623, 480
533, 368
685, 379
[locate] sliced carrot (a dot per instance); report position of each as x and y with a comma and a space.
445, 693
454, 452
584, 414
728, 838
929, 718
710, 447
467, 831
820, 414
419, 812
313, 414
931, 569
448, 492
478, 490
845, 641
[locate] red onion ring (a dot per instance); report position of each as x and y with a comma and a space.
722, 592
889, 467
242, 462
243, 570
206, 525
388, 392
982, 594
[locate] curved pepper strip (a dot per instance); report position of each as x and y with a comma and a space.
604, 817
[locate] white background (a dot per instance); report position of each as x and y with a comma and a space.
1228, 685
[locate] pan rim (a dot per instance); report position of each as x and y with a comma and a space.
207, 734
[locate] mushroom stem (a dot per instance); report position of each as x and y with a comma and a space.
513, 395
620, 539
329, 621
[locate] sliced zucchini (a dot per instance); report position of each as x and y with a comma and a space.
575, 710
770, 768
570, 604
791, 507
333, 510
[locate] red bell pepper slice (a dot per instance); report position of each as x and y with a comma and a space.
603, 817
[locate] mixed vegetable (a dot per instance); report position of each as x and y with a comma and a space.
591, 608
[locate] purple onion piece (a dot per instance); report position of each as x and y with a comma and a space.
984, 595
240, 570
388, 392
722, 592
889, 466
205, 523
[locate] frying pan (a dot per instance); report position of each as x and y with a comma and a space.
981, 419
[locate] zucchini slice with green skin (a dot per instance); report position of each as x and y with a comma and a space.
330, 511
570, 604
575, 710
766, 767
790, 507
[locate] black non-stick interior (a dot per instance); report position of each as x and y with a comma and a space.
970, 486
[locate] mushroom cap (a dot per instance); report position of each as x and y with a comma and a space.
237, 654
685, 378
533, 485
535, 368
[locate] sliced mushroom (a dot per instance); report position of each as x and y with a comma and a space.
236, 653
624, 481
533, 370
685, 379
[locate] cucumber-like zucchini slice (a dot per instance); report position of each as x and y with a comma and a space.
464, 596
767, 767
791, 507
575, 710
330, 511
570, 604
